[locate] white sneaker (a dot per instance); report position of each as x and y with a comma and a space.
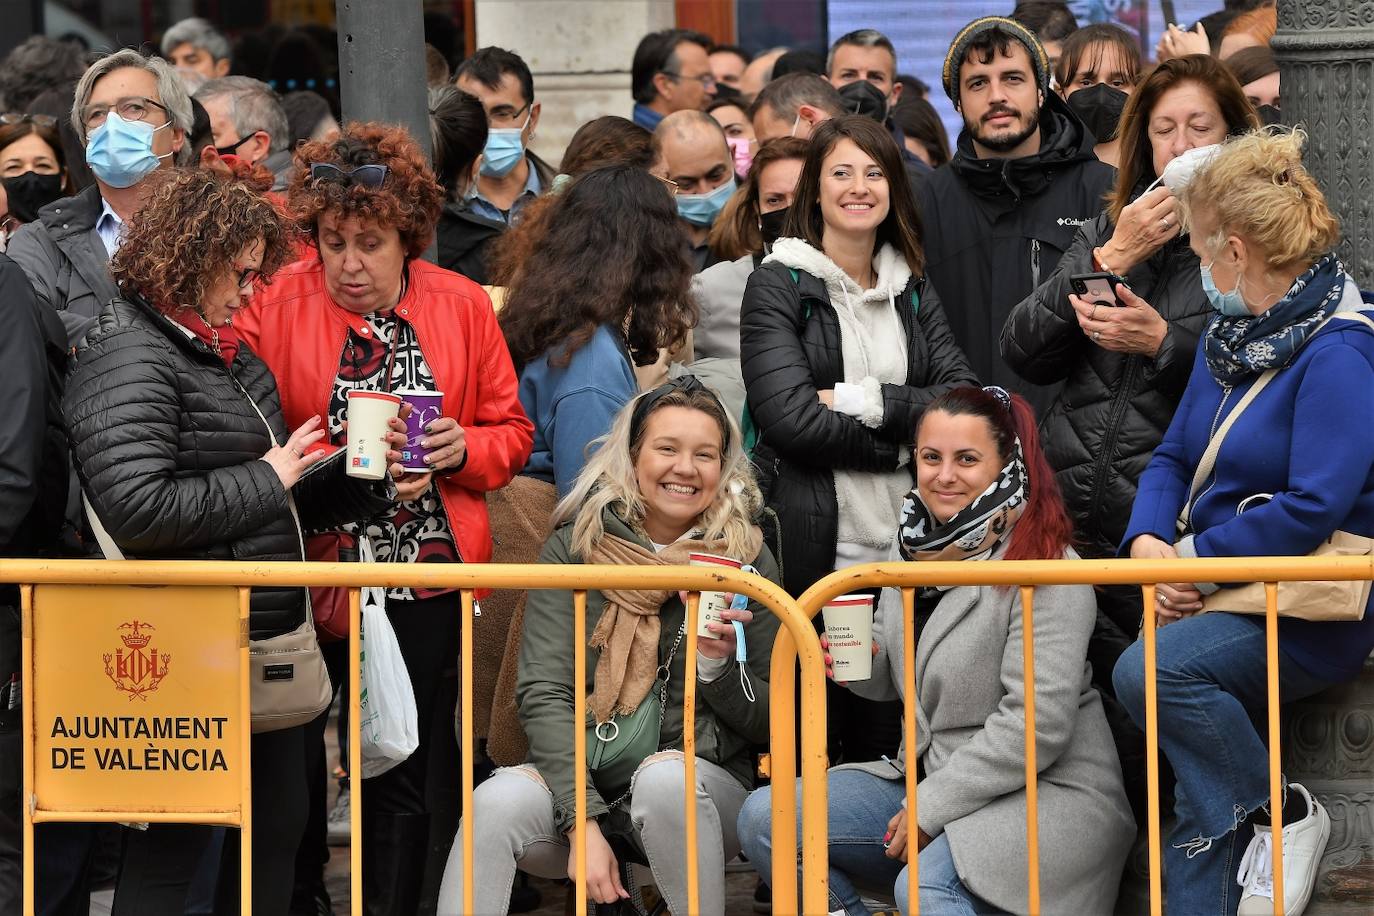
1303, 843
339, 826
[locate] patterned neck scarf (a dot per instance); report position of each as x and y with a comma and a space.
976, 529
1237, 349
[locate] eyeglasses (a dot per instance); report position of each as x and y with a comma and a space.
503, 114
132, 109
707, 80
247, 276
14, 117
673, 186
369, 176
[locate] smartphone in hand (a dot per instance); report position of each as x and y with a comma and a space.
1097, 288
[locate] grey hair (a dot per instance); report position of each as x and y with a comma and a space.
862, 38
253, 106
787, 94
198, 33
171, 92
608, 481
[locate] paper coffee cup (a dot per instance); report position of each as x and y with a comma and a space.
849, 630
368, 413
712, 603
426, 407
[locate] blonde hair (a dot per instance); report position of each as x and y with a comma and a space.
608, 480
1258, 189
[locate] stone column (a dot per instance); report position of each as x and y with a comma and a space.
1326, 61
579, 53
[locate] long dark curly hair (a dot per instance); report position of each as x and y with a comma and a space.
613, 252
409, 200
192, 225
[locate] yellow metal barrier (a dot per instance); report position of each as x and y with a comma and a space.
1026, 575
795, 634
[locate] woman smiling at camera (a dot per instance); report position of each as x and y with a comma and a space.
670, 479
983, 492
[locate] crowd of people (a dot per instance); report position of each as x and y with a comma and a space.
772, 316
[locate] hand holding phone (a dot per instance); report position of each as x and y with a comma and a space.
1096, 288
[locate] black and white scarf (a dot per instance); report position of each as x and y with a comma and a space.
976, 529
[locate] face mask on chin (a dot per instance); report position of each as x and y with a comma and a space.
1231, 304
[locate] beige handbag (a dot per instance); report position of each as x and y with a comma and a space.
1305, 600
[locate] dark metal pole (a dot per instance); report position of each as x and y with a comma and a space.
382, 64
22, 18
1325, 53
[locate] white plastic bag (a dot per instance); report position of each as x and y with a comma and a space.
387, 720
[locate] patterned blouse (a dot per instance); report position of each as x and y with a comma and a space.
410, 532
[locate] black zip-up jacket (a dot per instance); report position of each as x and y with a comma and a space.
167, 442
1115, 407
464, 241
790, 350
995, 228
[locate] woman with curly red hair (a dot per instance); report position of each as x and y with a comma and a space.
367, 314
183, 453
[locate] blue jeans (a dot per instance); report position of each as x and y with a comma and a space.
860, 806
1211, 680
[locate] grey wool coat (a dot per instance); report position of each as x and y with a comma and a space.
970, 738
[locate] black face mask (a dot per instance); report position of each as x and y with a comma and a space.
862, 97
1099, 108
29, 191
727, 92
1269, 115
770, 225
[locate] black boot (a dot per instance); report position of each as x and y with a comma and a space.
394, 847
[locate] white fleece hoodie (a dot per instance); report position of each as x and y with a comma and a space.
873, 349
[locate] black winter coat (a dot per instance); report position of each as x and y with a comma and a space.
1115, 407
464, 242
995, 228
167, 443
790, 350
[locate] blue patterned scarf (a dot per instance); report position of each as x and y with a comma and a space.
1237, 349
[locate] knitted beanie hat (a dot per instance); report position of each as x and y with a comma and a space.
954, 60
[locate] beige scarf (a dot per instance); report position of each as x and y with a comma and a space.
628, 631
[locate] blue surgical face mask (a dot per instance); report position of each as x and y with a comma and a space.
1231, 304
120, 152
702, 209
504, 149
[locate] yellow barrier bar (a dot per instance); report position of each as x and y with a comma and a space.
355, 749
246, 758
689, 751
1271, 647
467, 763
579, 837
815, 833
213, 818
913, 879
1152, 753
26, 717
1032, 770
782, 684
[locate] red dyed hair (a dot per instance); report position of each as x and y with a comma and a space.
1044, 530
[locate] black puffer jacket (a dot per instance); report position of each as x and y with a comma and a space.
790, 350
1115, 407
166, 442
996, 228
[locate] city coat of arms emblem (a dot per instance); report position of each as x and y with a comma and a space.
136, 669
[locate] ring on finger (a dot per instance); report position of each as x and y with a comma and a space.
1097, 335
1093, 316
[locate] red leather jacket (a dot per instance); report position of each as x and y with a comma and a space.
299, 331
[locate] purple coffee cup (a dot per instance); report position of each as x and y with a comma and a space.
426, 407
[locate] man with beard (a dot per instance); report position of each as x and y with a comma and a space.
998, 216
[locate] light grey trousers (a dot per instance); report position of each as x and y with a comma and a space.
514, 828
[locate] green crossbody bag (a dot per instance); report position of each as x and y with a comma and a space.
617, 747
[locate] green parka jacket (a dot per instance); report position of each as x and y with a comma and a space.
728, 724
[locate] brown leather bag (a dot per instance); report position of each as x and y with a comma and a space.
330, 604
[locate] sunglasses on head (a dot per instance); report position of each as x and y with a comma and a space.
369, 176
14, 117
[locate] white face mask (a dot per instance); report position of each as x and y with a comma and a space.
1181, 169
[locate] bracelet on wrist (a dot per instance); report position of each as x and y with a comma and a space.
1102, 265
